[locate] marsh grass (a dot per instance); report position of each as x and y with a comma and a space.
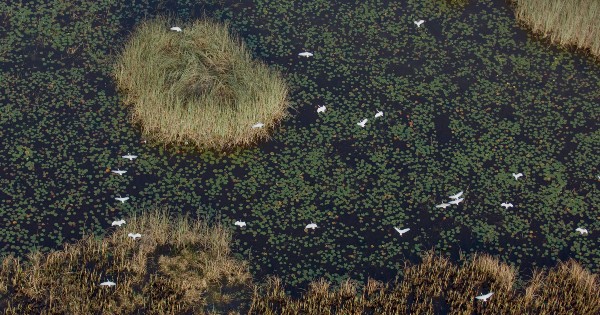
438, 286
565, 22
199, 85
178, 266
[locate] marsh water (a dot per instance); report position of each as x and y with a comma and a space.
468, 99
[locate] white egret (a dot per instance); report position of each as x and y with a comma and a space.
134, 235
122, 199
321, 109
419, 22
119, 222
379, 114
517, 175
442, 205
362, 123
119, 172
484, 297
456, 201
581, 230
305, 54
129, 157
311, 226
258, 125
401, 231
176, 28
506, 205
240, 223
108, 284
456, 196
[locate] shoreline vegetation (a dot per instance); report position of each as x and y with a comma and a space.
568, 23
183, 266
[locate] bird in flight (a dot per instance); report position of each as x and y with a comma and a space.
581, 230
419, 22
378, 114
456, 201
305, 54
456, 196
362, 123
122, 199
517, 175
240, 223
134, 235
176, 28
311, 226
507, 205
119, 222
442, 205
129, 157
401, 231
258, 125
484, 297
321, 109
108, 284
119, 172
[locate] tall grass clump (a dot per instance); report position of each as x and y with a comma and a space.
199, 85
565, 22
177, 267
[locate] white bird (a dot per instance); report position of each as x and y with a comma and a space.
108, 284
129, 156
321, 109
419, 22
517, 175
240, 223
401, 231
507, 205
119, 172
456, 201
122, 199
484, 297
582, 230
362, 123
456, 196
258, 125
176, 28
379, 114
305, 54
134, 236
442, 205
119, 222
311, 226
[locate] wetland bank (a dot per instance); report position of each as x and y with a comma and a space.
512, 103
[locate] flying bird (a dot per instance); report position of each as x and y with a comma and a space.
442, 205
108, 284
258, 125
321, 109
122, 199
134, 235
456, 196
581, 230
419, 22
176, 28
311, 226
401, 231
129, 157
362, 123
379, 114
240, 223
305, 54
507, 205
119, 172
456, 201
484, 297
119, 222
517, 175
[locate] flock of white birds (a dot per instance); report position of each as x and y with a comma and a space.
456, 198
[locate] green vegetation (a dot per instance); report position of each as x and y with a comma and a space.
565, 22
199, 85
